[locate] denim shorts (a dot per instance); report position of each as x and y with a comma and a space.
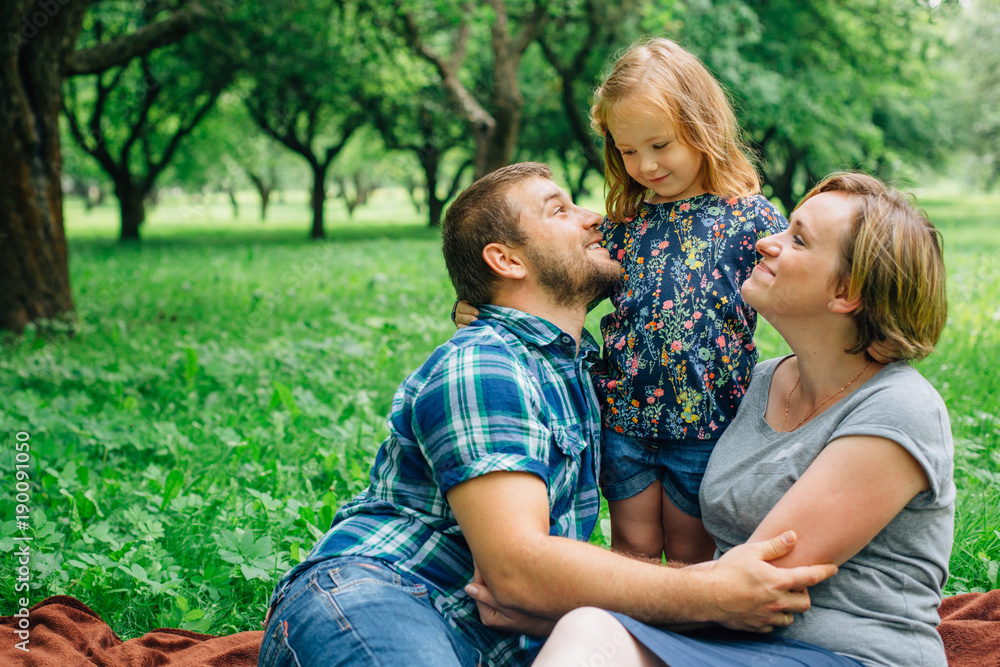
353, 611
630, 464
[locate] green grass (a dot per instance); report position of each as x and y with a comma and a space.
227, 385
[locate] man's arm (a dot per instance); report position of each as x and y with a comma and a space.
504, 516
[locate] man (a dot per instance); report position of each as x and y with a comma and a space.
492, 463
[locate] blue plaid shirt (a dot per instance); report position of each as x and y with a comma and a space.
508, 393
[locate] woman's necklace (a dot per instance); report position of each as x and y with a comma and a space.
816, 409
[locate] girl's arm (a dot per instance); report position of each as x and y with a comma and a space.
846, 496
464, 314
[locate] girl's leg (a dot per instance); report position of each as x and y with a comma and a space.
636, 528
685, 539
590, 637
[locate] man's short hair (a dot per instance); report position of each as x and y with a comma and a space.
484, 213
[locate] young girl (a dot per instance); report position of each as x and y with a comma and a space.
684, 215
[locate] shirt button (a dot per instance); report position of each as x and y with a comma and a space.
566, 339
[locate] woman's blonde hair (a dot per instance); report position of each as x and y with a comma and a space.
892, 258
658, 75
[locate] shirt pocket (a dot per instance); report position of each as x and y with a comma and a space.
568, 444
775, 476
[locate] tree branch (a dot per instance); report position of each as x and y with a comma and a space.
461, 39
184, 130
120, 50
474, 112
138, 128
458, 176
285, 135
531, 27
350, 125
97, 151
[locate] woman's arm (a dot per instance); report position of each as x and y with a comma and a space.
849, 493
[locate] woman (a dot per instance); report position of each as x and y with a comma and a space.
853, 454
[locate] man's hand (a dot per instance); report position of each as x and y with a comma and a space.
495, 616
465, 314
756, 595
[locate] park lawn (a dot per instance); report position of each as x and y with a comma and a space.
228, 381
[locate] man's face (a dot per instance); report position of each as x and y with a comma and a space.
564, 246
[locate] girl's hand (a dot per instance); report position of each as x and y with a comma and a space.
502, 618
465, 314
879, 353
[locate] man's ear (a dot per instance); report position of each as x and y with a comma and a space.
842, 301
504, 261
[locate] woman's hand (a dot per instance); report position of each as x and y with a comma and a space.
495, 616
465, 314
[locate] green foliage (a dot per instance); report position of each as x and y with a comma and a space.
821, 86
225, 393
977, 39
219, 401
128, 118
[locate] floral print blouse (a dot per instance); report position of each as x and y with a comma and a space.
678, 349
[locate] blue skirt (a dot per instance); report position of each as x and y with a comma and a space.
728, 648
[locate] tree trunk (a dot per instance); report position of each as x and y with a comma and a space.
317, 200
782, 183
34, 274
509, 103
132, 199
231, 191
264, 188
265, 194
429, 160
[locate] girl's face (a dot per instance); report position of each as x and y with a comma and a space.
656, 158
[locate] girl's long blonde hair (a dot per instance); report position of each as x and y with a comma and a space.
659, 76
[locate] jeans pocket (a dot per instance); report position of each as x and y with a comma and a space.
349, 575
274, 651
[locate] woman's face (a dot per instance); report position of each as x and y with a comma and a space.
799, 272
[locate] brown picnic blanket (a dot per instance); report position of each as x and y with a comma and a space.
64, 632
970, 628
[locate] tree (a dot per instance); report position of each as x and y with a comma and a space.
491, 110
132, 118
85, 177
575, 44
978, 43
819, 85
303, 81
37, 50
227, 150
420, 121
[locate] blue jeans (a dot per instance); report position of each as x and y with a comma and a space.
352, 611
630, 464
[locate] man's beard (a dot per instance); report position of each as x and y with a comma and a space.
573, 283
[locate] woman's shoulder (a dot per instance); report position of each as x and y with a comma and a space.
760, 381
901, 382
765, 369
898, 403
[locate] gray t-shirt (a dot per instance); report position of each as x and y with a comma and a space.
881, 608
